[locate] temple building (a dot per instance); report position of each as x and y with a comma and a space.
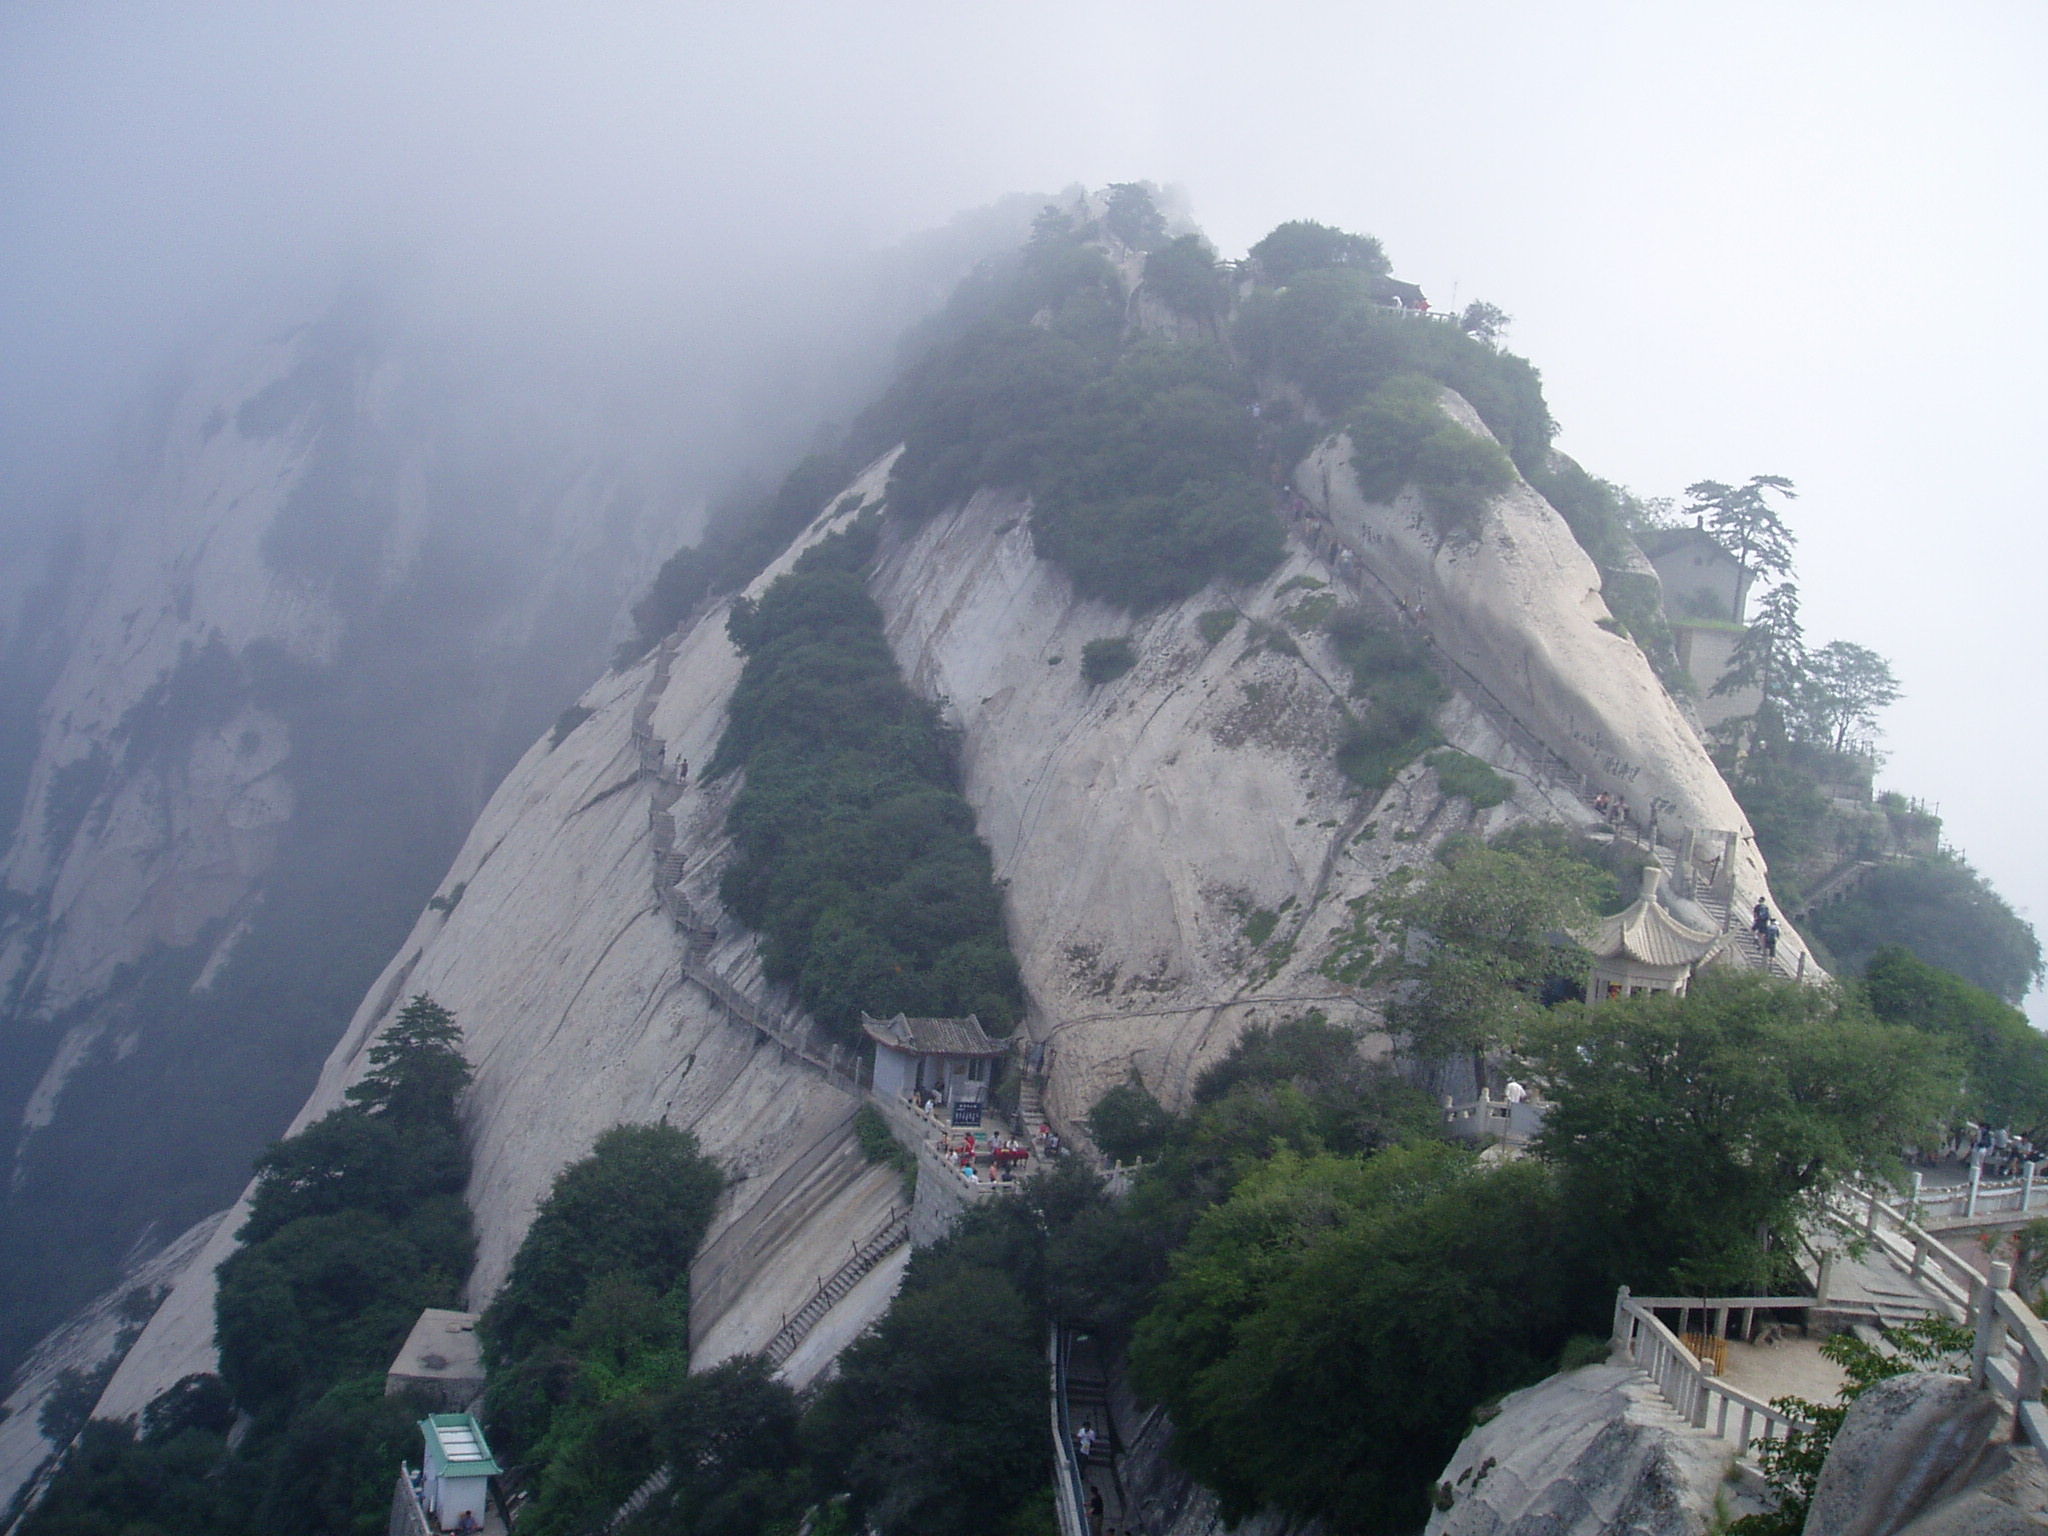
952, 1058
1647, 949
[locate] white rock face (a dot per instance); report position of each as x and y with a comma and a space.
1594, 1452
1137, 825
305, 492
1520, 610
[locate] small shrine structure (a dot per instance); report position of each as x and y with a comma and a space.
951, 1059
456, 1470
1646, 948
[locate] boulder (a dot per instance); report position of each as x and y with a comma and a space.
1592, 1452
1915, 1453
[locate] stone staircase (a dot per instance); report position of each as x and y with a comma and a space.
879, 1244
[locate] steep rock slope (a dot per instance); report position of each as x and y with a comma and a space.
1137, 825
1519, 612
260, 697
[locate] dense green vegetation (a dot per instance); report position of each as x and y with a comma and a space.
1942, 910
1286, 1343
1398, 694
588, 1339
1469, 778
2005, 1058
854, 855
1740, 1101
739, 542
1325, 331
1400, 435
356, 1224
1148, 492
1184, 277
1495, 916
1104, 661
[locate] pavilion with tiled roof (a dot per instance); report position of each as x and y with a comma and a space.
1647, 948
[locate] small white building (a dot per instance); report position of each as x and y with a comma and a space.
1646, 948
456, 1467
953, 1059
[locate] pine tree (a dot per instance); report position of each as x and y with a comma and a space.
417, 1070
1770, 657
1744, 523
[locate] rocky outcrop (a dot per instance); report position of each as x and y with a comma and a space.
1593, 1452
1518, 612
1917, 1454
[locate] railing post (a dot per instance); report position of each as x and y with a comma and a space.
1823, 1276
1621, 1318
2027, 1185
1988, 1325
1870, 1217
1702, 1395
1976, 1180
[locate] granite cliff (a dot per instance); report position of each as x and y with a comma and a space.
1135, 824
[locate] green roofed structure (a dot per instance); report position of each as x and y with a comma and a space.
457, 1467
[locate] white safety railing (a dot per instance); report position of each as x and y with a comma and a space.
2009, 1355
407, 1518
2009, 1348
1688, 1383
2000, 1198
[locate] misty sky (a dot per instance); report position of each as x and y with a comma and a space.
1740, 238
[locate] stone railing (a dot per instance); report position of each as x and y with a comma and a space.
1949, 1281
1690, 1384
1997, 1199
2009, 1349
1515, 1124
2009, 1355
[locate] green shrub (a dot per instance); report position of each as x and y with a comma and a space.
878, 1144
1104, 661
1147, 490
1326, 333
566, 722
1400, 695
1401, 435
739, 541
1183, 276
1302, 245
1216, 623
854, 855
1127, 1123
636, 1207
1470, 779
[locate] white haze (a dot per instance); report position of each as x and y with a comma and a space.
1738, 238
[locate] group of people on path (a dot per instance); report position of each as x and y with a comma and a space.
1006, 1156
1996, 1151
1766, 928
1612, 809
